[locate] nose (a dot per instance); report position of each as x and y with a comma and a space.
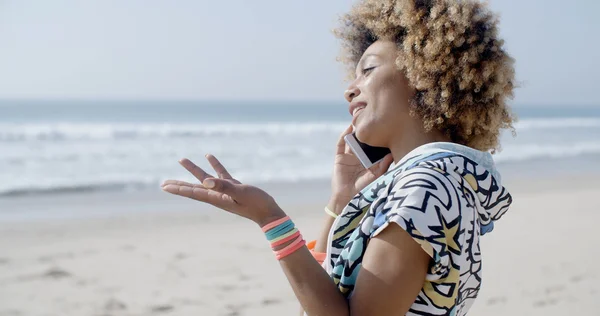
352, 92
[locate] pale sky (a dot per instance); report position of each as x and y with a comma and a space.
254, 50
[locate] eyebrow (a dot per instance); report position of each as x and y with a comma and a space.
365, 57
371, 54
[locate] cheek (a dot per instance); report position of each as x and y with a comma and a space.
388, 101
394, 96
388, 97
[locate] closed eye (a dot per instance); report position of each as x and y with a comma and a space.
366, 71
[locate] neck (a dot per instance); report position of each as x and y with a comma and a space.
410, 138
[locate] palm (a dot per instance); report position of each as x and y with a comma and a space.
227, 194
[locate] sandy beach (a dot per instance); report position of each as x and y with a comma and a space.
148, 253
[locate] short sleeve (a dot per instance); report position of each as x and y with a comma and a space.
424, 202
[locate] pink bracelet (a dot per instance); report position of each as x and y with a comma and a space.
291, 248
274, 223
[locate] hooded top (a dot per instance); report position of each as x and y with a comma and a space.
445, 196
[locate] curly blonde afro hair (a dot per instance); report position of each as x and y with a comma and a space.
452, 56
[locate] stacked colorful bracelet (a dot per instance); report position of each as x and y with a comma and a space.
281, 231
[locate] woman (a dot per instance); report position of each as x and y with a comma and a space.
430, 83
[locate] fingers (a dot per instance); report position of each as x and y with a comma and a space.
181, 183
348, 150
184, 190
198, 193
223, 186
216, 164
194, 170
218, 192
341, 144
383, 165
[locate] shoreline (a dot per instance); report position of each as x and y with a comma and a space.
535, 169
102, 204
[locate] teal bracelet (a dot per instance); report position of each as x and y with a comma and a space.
280, 230
273, 233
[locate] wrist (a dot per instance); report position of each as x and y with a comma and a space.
337, 204
281, 233
273, 215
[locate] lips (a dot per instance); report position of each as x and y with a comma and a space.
357, 110
356, 107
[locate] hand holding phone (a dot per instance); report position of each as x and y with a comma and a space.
351, 173
368, 155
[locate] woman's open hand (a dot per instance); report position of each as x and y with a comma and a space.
226, 193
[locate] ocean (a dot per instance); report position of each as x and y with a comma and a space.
76, 146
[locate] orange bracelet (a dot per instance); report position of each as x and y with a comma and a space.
291, 248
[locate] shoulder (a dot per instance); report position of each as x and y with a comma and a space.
420, 182
421, 198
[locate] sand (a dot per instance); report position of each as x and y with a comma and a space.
154, 254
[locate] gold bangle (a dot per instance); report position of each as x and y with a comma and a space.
330, 213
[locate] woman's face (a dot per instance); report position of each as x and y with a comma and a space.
379, 96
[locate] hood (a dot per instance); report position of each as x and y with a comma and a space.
469, 166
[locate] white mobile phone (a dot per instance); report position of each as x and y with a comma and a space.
368, 155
